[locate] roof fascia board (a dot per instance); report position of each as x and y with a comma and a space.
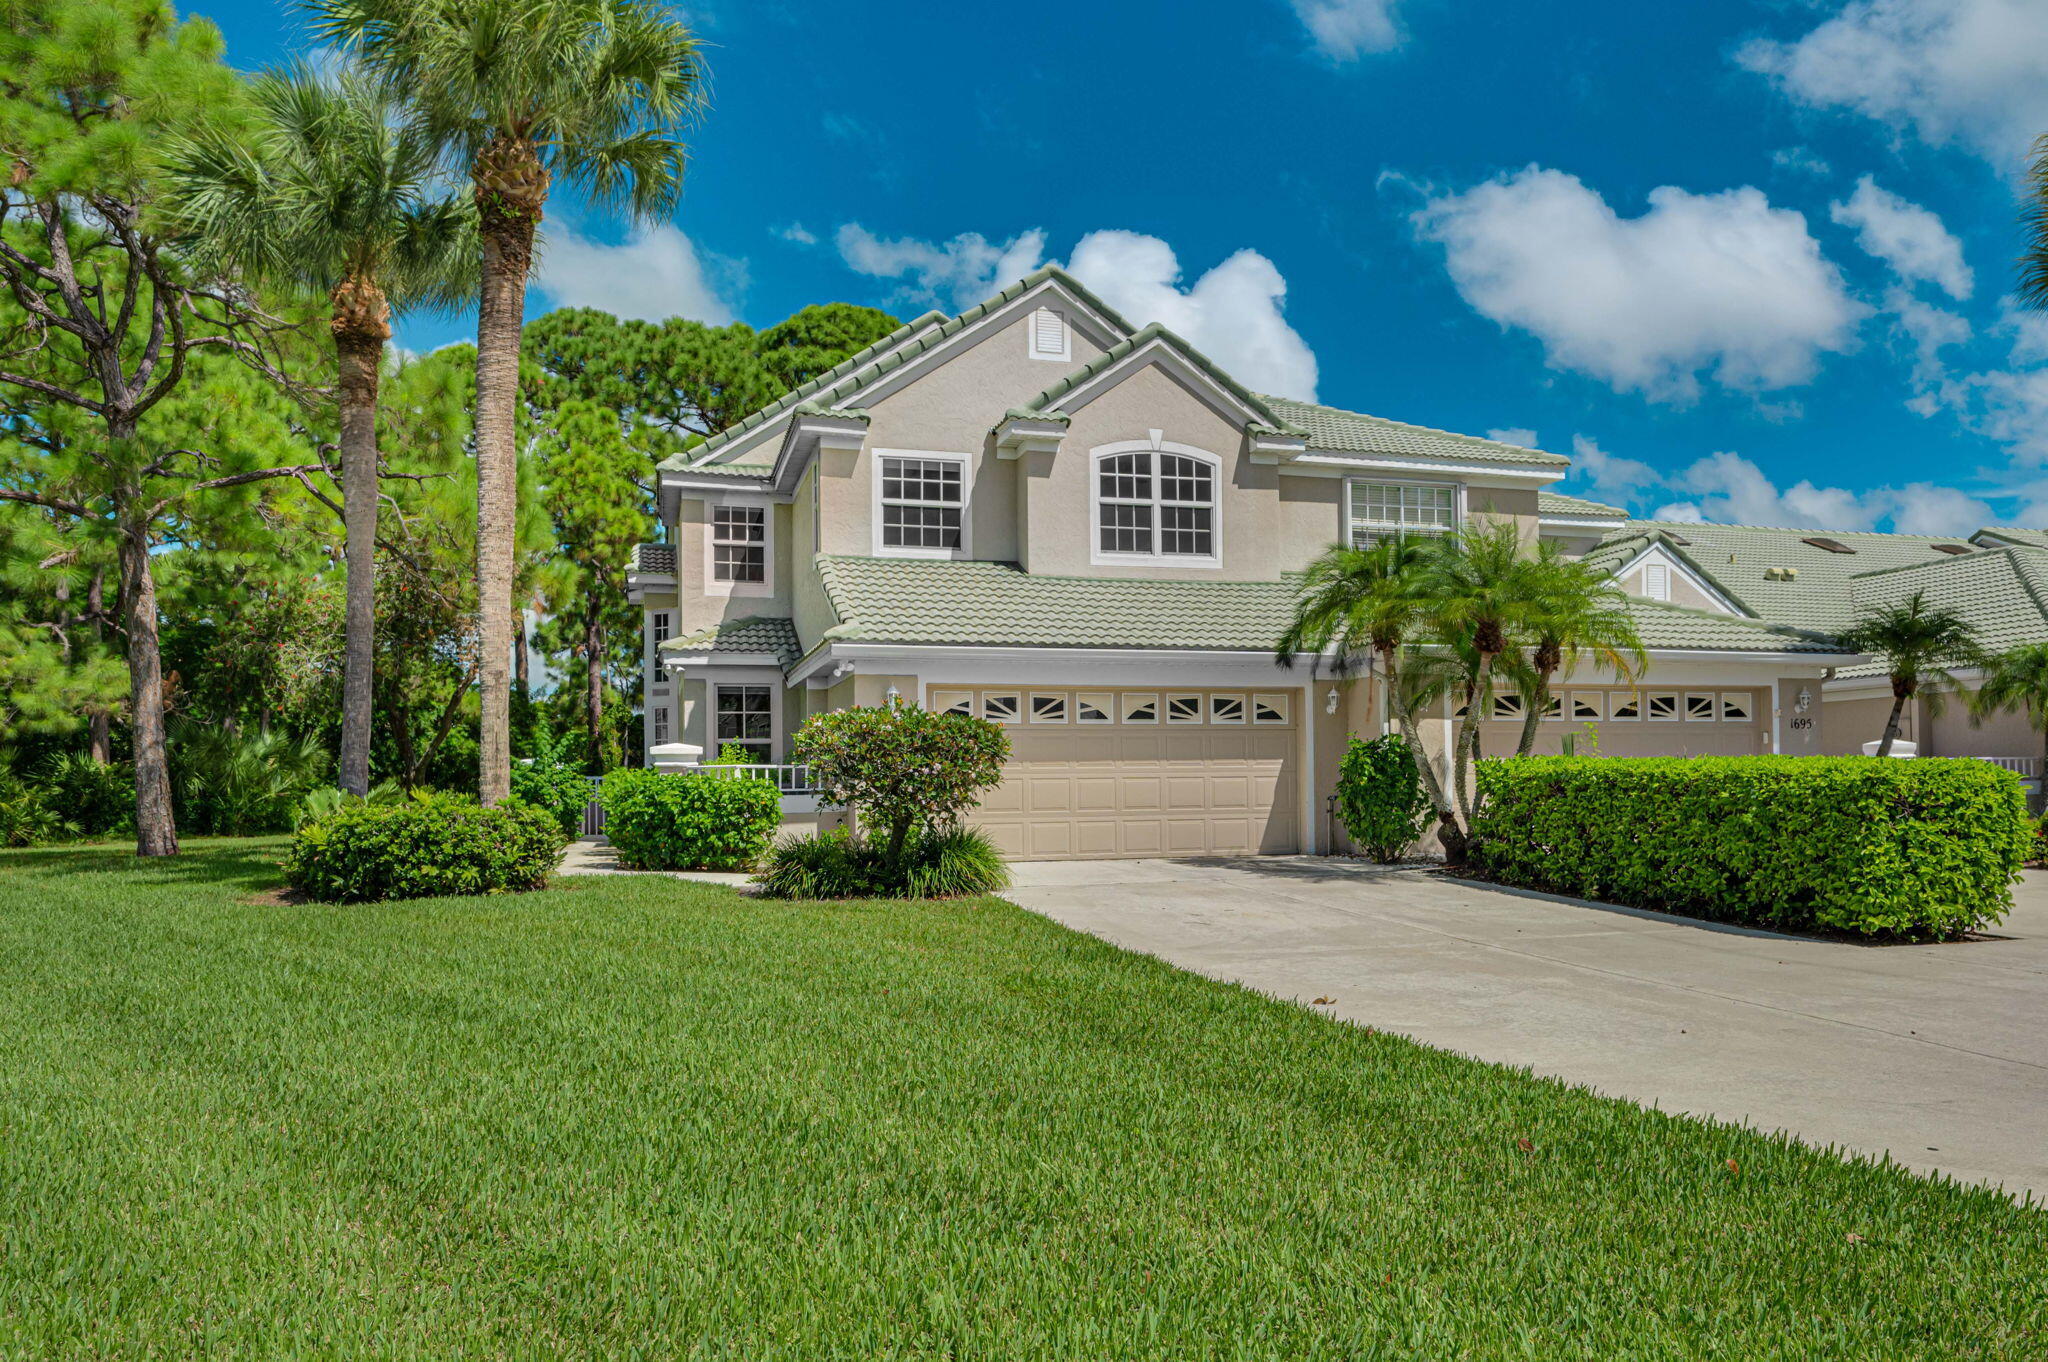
1331, 463
1579, 522
1167, 355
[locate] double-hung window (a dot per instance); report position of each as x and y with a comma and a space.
1378, 509
923, 502
657, 629
739, 544
1155, 504
745, 717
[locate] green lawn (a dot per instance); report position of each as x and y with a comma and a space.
632, 1117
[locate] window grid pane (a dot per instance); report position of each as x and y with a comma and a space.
744, 717
1180, 502
921, 502
1379, 508
1126, 528
739, 538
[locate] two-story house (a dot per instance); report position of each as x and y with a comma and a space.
1086, 531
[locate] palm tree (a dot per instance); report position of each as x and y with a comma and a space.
1367, 601
1576, 612
523, 92
1917, 643
1479, 593
337, 193
2016, 679
2033, 289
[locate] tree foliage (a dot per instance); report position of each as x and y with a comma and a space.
900, 768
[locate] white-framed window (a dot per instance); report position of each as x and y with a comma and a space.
1661, 706
739, 545
1156, 506
920, 504
1183, 709
1269, 709
1094, 707
1735, 707
1226, 709
1001, 708
1375, 510
1046, 336
953, 702
660, 724
1699, 709
1049, 709
657, 631
1626, 708
744, 716
1553, 708
1507, 705
1139, 708
1585, 706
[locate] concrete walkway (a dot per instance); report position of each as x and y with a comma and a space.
595, 856
1937, 1055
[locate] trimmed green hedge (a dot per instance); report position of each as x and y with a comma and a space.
700, 821
1915, 850
423, 848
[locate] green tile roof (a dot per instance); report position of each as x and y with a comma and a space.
970, 603
1117, 353
1354, 432
1735, 557
2003, 593
1557, 503
731, 470
749, 634
2002, 534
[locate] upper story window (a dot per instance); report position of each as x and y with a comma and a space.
1155, 506
921, 505
657, 632
1378, 509
739, 544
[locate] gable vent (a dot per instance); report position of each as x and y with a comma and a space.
1949, 548
1048, 335
1831, 545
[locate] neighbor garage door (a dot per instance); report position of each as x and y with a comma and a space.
1167, 772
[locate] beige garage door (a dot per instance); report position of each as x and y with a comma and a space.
1140, 772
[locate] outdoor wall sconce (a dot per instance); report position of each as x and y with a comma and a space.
1803, 702
892, 695
1330, 702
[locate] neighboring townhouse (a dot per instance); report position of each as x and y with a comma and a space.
1996, 578
1086, 531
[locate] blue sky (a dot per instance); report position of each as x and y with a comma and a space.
1748, 261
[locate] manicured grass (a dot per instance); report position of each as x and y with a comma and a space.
630, 1117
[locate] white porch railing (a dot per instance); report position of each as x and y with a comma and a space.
2025, 767
789, 778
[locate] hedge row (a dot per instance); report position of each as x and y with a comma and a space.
699, 821
423, 848
1914, 850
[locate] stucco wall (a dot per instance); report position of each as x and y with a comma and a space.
698, 606
1683, 592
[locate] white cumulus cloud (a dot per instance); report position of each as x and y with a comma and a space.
1514, 435
1907, 237
1344, 30
1970, 72
957, 273
655, 274
1234, 313
1717, 285
1612, 476
1726, 488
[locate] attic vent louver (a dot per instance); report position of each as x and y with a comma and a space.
1831, 545
1950, 548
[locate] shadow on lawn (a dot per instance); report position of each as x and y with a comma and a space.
235, 862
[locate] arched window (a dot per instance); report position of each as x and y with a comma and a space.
1155, 505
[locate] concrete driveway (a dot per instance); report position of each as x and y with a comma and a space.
1937, 1055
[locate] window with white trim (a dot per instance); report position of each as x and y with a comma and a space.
660, 724
657, 631
1734, 707
1155, 504
1095, 707
739, 544
923, 501
1379, 509
744, 716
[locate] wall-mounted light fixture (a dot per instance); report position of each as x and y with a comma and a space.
1330, 701
892, 695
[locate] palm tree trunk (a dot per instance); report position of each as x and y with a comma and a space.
506, 220
361, 324
1891, 725
156, 830
1467, 745
593, 682
1448, 832
1535, 714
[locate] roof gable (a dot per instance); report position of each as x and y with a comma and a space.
1128, 356
1350, 432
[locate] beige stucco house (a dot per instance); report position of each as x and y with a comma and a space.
1084, 531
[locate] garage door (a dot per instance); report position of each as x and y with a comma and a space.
1140, 772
